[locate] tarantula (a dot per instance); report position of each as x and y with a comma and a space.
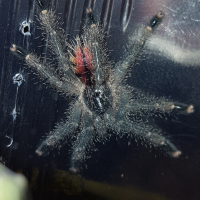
103, 102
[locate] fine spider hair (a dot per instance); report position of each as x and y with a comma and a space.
103, 104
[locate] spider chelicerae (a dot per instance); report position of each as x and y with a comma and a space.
103, 102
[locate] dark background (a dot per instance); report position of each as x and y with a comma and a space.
157, 72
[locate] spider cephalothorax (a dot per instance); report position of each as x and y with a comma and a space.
103, 100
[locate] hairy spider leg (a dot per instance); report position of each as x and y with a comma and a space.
95, 49
154, 137
136, 48
45, 71
130, 105
152, 103
56, 40
83, 141
62, 131
122, 69
101, 68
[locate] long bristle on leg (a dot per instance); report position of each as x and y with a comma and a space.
40, 4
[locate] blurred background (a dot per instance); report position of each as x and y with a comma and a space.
168, 67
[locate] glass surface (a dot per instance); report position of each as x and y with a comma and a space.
122, 168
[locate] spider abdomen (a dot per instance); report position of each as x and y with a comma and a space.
83, 62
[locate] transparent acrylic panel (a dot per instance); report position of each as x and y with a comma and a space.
122, 167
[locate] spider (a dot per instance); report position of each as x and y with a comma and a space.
103, 103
